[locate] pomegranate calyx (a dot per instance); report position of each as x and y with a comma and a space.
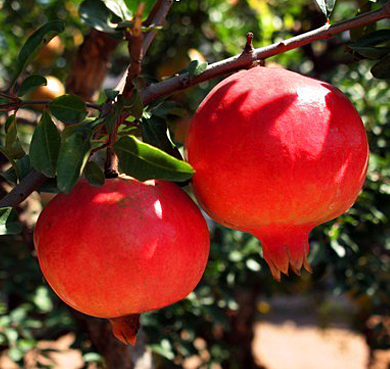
125, 328
285, 247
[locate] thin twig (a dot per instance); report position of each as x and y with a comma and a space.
135, 39
45, 102
163, 7
18, 103
157, 18
246, 60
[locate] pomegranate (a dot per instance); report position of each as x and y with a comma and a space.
276, 154
122, 249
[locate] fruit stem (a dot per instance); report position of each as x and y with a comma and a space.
125, 328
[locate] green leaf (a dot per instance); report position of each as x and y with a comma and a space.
111, 94
112, 117
74, 153
34, 43
381, 69
378, 37
45, 146
31, 83
134, 105
69, 109
132, 6
326, 6
8, 155
9, 224
5, 99
170, 108
155, 133
196, 68
50, 186
143, 161
373, 53
12, 143
96, 14
94, 174
119, 8
23, 167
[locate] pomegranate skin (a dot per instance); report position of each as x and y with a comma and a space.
276, 154
121, 249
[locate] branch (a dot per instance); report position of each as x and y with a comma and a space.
248, 59
45, 102
156, 17
135, 40
23, 190
160, 11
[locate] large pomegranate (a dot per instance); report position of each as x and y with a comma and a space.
276, 154
121, 249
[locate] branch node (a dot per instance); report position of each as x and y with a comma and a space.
249, 46
184, 81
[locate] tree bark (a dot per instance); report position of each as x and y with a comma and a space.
89, 68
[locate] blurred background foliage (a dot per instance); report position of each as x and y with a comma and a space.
349, 256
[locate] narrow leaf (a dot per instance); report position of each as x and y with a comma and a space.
50, 186
73, 155
94, 174
8, 155
23, 167
378, 37
111, 94
134, 105
12, 143
196, 68
45, 146
170, 108
373, 53
155, 133
96, 14
326, 6
9, 224
34, 43
31, 83
143, 161
132, 6
112, 116
381, 69
119, 8
69, 109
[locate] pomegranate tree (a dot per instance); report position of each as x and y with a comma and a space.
122, 249
276, 154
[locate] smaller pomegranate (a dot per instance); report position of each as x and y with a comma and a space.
276, 154
122, 249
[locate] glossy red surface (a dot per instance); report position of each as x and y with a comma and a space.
276, 154
124, 248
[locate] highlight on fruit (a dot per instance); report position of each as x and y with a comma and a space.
277, 154
122, 249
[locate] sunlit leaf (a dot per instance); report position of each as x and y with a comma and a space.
9, 224
144, 161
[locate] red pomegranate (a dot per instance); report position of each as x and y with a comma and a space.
122, 249
276, 154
